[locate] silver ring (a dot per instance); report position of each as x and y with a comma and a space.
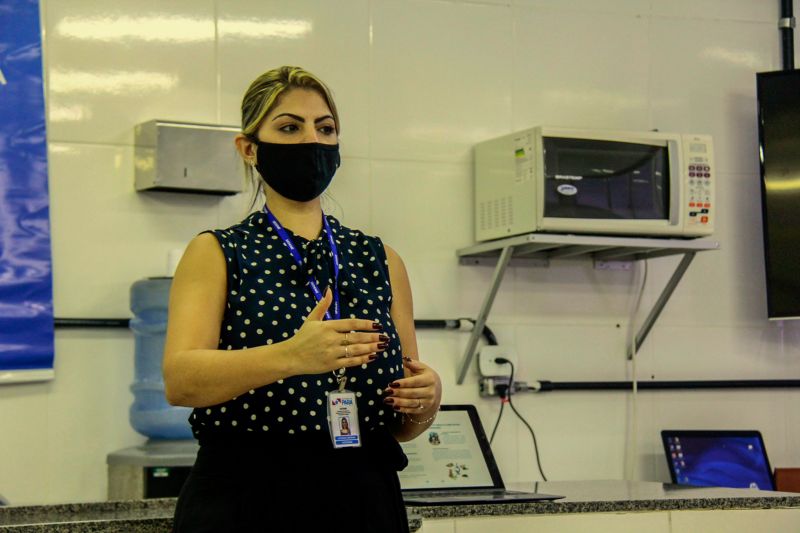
346, 342
347, 351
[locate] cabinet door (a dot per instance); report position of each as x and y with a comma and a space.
657, 522
432, 525
772, 520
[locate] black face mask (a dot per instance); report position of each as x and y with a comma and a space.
299, 172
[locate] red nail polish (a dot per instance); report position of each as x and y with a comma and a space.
383, 338
396, 408
394, 384
388, 401
372, 357
376, 325
383, 345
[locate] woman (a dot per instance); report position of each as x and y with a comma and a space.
275, 323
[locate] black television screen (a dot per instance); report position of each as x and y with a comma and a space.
779, 145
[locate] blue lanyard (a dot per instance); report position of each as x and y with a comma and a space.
299, 260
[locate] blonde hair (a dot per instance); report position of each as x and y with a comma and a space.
263, 95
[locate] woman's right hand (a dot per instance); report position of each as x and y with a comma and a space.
323, 345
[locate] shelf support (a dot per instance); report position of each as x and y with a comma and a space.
480, 322
647, 325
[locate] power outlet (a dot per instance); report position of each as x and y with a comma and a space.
487, 366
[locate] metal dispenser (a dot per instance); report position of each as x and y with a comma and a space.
186, 157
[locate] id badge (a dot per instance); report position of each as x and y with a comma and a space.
343, 419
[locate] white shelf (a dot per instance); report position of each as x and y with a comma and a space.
539, 248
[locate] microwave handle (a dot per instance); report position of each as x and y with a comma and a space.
676, 185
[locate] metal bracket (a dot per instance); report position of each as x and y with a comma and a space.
475, 335
608, 252
647, 325
786, 23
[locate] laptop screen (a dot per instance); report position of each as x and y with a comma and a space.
452, 453
734, 459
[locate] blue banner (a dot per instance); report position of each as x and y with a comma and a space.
26, 286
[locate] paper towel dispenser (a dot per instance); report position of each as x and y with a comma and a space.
186, 157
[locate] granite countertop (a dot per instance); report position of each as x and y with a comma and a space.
137, 516
134, 516
155, 515
619, 496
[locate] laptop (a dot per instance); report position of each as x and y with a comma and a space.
718, 458
451, 463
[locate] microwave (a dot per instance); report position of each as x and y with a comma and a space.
559, 180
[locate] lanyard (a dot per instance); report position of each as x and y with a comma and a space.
287, 240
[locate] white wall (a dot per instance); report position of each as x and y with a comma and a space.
418, 82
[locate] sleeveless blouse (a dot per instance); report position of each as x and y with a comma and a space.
268, 298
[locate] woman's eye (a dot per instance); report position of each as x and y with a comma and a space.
327, 130
289, 128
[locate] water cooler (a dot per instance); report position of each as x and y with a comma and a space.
157, 468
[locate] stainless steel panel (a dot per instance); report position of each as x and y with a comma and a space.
185, 157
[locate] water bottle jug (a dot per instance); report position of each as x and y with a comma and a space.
150, 414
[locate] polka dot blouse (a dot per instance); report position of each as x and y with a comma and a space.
268, 298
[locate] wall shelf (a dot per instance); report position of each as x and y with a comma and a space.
538, 248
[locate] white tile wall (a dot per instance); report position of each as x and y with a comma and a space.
113, 64
580, 69
331, 39
417, 82
87, 414
636, 7
105, 234
705, 82
425, 54
739, 10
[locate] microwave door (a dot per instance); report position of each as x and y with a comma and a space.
605, 180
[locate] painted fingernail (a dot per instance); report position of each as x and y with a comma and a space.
383, 345
388, 392
394, 384
388, 401
383, 338
376, 325
372, 357
396, 408
407, 359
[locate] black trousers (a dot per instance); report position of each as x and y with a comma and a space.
303, 485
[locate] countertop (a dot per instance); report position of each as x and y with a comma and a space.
133, 516
620, 496
151, 516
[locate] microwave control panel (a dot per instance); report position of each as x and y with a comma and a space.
699, 203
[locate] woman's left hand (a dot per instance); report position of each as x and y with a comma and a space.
418, 393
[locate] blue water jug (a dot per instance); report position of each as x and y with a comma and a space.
150, 414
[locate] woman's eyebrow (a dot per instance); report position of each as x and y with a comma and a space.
301, 119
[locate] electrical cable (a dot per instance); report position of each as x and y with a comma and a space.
499, 416
502, 361
487, 333
633, 450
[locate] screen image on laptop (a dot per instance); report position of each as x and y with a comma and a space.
447, 455
718, 458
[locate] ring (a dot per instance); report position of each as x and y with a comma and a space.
347, 351
346, 342
419, 404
